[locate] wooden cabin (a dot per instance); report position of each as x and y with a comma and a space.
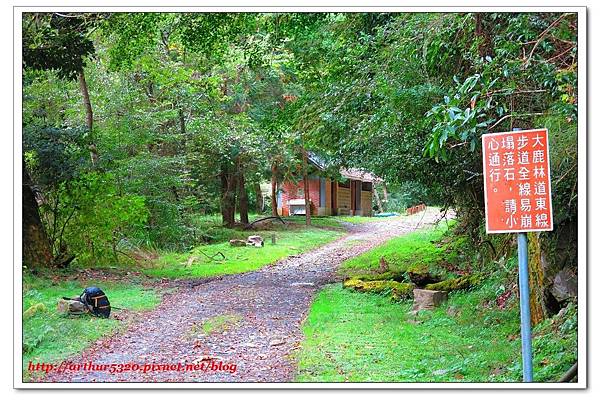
352, 196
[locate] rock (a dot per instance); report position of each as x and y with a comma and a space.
255, 240
237, 242
565, 285
276, 341
303, 284
428, 299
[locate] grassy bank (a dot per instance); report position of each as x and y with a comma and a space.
417, 247
362, 337
51, 337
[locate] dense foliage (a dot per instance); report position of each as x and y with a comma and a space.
191, 112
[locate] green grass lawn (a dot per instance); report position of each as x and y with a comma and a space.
363, 337
331, 222
361, 219
51, 337
289, 241
359, 337
334, 221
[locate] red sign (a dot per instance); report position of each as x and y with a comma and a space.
516, 169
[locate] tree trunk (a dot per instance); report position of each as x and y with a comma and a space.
227, 197
274, 189
260, 202
484, 47
306, 188
242, 197
377, 200
182, 129
89, 115
181, 121
385, 194
37, 252
536, 279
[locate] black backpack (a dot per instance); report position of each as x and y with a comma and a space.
96, 301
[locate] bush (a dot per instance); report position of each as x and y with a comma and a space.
92, 216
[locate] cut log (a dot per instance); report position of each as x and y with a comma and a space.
379, 286
453, 284
428, 299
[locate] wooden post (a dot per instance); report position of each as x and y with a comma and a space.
274, 189
306, 188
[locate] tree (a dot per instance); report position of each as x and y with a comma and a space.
58, 43
306, 187
36, 246
61, 43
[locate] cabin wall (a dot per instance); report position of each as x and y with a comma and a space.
343, 201
326, 209
291, 190
366, 203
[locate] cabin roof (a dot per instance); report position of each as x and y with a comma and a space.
358, 174
349, 173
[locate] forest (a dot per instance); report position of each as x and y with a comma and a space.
149, 140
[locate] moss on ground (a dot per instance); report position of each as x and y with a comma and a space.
396, 276
398, 290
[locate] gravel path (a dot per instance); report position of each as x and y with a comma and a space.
265, 309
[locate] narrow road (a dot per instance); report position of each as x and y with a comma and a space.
266, 308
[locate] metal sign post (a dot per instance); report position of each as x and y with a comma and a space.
516, 169
526, 349
524, 305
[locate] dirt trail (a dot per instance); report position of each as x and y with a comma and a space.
267, 308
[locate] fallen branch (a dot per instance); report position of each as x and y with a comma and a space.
250, 225
137, 262
571, 373
212, 258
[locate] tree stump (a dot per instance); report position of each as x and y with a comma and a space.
428, 299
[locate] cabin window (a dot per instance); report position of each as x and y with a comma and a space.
367, 186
